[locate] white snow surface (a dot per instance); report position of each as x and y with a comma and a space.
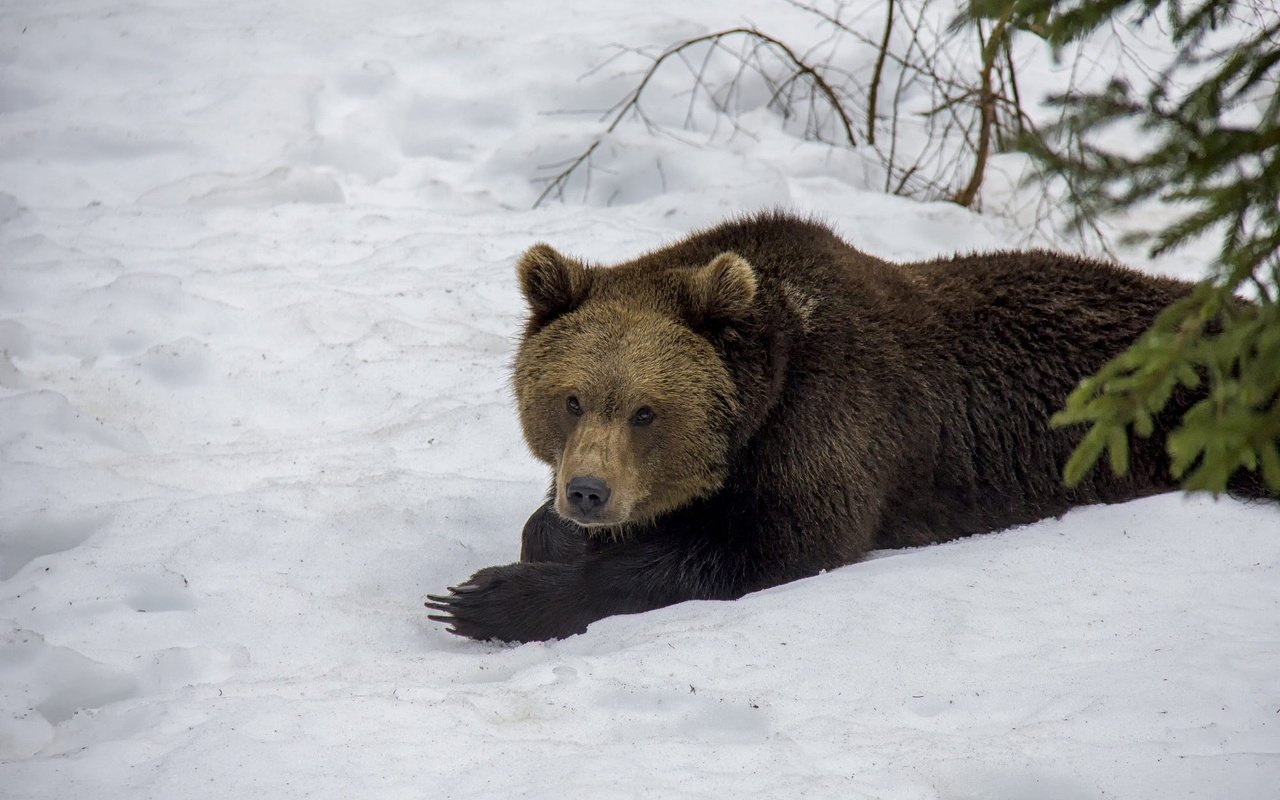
256, 317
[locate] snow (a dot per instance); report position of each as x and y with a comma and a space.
256, 317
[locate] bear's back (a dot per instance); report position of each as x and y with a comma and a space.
1010, 334
933, 381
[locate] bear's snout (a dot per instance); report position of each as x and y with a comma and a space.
587, 496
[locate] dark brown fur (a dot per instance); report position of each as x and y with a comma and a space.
812, 403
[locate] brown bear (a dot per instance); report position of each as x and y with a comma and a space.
761, 401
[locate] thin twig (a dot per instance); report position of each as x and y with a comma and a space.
874, 89
631, 102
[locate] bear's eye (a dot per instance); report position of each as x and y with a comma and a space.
575, 408
643, 416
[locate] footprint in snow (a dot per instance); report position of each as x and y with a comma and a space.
36, 537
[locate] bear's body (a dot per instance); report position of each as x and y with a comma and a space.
761, 401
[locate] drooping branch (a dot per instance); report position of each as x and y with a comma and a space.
631, 103
938, 152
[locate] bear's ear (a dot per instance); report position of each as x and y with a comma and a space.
552, 284
724, 290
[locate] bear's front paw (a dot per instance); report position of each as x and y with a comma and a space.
525, 602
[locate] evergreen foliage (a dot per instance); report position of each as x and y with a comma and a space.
1212, 118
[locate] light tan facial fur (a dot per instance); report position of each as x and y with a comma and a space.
616, 341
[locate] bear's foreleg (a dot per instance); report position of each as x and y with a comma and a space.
550, 537
537, 601
523, 602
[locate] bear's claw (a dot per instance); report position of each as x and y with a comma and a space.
445, 604
520, 602
457, 609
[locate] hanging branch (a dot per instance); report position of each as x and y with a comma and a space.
939, 152
631, 103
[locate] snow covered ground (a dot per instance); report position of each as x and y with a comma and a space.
256, 314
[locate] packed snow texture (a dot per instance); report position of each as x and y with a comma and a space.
256, 317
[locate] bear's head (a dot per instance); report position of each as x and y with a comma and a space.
627, 380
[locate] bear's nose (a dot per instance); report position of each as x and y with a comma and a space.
587, 495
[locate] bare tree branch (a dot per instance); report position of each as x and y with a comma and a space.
631, 102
